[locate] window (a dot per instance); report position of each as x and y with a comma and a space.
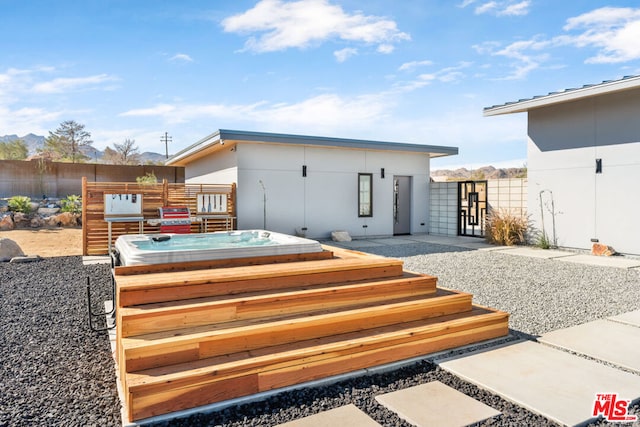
365, 195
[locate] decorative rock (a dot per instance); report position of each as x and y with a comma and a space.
34, 206
6, 223
9, 249
48, 211
340, 236
64, 219
599, 249
20, 218
37, 222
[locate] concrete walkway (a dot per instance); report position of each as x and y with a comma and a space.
475, 243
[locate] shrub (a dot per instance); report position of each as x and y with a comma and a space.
147, 179
20, 204
71, 204
542, 241
505, 228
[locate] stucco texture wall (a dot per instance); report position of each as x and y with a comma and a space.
565, 141
326, 199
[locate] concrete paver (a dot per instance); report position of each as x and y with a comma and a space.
602, 261
601, 339
348, 415
537, 252
436, 404
630, 318
550, 382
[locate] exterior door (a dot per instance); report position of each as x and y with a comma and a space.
401, 205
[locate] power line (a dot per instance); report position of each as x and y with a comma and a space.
166, 139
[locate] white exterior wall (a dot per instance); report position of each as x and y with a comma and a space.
564, 142
327, 199
219, 169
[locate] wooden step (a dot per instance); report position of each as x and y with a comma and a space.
185, 345
160, 287
170, 388
167, 316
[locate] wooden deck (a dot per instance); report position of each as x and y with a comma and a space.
197, 333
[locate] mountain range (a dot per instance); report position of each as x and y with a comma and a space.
35, 142
485, 172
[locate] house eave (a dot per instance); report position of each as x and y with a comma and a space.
568, 95
224, 137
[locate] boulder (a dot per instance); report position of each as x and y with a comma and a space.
20, 218
34, 206
37, 222
48, 211
6, 223
9, 249
599, 249
64, 219
340, 236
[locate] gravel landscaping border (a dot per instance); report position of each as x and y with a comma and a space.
55, 371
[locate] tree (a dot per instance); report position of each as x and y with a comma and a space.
124, 154
67, 141
14, 150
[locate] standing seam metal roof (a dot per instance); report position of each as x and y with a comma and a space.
565, 95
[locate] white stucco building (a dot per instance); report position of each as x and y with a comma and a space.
584, 151
316, 185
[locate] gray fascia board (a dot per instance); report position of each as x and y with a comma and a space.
320, 141
564, 96
194, 148
222, 135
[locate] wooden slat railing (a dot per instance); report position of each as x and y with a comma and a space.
154, 196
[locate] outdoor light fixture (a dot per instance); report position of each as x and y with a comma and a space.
304, 170
382, 173
598, 165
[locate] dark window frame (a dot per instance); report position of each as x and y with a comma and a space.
368, 213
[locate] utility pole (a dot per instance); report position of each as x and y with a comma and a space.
166, 139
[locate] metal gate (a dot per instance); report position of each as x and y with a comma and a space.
472, 208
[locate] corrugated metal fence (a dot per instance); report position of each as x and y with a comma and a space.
38, 178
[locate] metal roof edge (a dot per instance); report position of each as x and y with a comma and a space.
572, 94
194, 148
223, 135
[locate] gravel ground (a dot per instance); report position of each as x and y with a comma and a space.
56, 372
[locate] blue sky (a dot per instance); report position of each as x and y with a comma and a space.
418, 71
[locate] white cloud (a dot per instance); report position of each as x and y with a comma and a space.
344, 54
501, 8
410, 66
466, 3
444, 75
314, 114
613, 31
303, 23
183, 57
525, 55
64, 84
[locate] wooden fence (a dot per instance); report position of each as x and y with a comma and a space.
95, 239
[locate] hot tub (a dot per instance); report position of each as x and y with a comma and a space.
135, 249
